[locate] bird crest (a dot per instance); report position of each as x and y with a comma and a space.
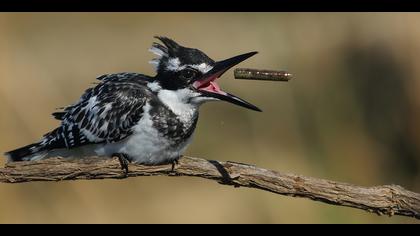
168, 49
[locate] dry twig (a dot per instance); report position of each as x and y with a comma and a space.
387, 199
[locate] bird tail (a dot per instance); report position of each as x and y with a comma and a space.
35, 151
29, 152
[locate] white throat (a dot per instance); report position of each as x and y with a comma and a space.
179, 101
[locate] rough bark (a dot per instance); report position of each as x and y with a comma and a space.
387, 199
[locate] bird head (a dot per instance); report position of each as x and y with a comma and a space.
193, 74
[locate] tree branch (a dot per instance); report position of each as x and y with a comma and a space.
387, 199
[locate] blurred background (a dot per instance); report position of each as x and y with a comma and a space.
351, 114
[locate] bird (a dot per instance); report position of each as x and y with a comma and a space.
143, 119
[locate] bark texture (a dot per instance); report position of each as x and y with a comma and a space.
387, 199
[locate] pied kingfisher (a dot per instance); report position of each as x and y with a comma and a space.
139, 118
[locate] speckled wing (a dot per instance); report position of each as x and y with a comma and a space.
105, 113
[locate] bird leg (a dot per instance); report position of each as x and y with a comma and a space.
175, 162
124, 160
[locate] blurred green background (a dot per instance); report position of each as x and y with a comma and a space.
351, 114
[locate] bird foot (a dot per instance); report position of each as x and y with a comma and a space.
124, 161
174, 162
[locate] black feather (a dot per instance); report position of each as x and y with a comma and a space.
171, 45
20, 153
59, 115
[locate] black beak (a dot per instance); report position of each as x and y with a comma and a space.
222, 66
208, 87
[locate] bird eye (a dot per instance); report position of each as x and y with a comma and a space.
188, 74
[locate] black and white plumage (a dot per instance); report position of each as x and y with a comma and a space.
150, 120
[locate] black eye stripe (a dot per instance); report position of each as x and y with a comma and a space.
188, 73
191, 69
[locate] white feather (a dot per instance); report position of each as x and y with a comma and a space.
178, 102
173, 64
145, 145
155, 63
157, 52
203, 67
155, 86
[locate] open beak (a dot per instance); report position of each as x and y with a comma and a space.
208, 87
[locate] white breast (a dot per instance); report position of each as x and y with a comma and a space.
145, 145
